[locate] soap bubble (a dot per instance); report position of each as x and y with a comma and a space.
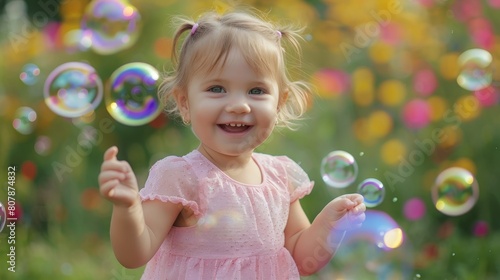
3, 216
73, 89
476, 70
373, 192
131, 94
455, 191
339, 169
30, 73
113, 25
24, 120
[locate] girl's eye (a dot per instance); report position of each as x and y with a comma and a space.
256, 91
217, 89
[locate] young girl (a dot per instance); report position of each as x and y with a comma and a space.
224, 211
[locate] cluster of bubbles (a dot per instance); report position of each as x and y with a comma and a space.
74, 89
339, 170
455, 190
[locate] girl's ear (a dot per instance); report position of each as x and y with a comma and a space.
283, 98
181, 100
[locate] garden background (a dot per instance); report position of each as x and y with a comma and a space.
385, 73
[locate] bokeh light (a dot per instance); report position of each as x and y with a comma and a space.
131, 94
475, 69
416, 114
73, 89
339, 169
455, 191
373, 192
24, 120
43, 145
112, 25
414, 209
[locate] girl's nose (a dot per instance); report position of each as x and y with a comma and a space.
238, 103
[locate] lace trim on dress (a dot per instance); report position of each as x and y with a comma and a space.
186, 203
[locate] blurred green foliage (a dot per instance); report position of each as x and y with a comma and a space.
64, 227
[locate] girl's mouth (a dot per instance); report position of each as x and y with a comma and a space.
234, 127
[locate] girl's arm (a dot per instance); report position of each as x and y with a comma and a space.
313, 245
137, 229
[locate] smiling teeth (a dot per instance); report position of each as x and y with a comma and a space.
235, 124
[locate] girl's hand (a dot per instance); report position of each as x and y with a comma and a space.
117, 181
345, 212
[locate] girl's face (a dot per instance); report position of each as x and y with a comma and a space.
232, 109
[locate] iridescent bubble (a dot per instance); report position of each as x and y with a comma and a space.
475, 69
113, 25
376, 250
455, 191
373, 192
24, 120
3, 216
380, 228
73, 89
131, 94
30, 73
339, 169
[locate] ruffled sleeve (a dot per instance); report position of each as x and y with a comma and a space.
172, 180
299, 183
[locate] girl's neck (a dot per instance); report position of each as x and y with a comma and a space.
226, 162
241, 168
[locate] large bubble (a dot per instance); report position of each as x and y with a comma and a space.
339, 169
131, 94
475, 69
455, 191
73, 89
376, 250
112, 25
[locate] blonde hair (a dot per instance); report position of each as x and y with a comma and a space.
261, 43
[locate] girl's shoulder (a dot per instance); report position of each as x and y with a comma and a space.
170, 163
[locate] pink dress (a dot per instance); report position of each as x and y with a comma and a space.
240, 228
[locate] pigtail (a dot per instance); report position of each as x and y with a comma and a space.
298, 99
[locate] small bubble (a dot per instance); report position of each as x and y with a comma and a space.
453, 254
361, 154
417, 275
394, 199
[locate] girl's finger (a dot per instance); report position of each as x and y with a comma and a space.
111, 175
111, 153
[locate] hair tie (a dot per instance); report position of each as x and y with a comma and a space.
279, 33
193, 29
